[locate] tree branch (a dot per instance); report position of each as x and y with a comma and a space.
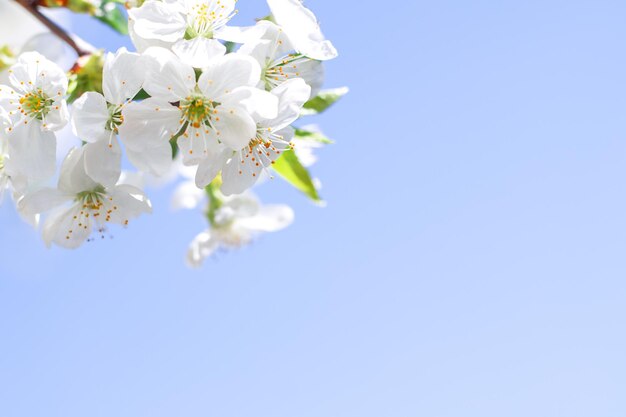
31, 7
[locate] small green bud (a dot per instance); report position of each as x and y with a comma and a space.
7, 57
86, 75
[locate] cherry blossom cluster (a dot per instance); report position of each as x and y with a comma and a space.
199, 97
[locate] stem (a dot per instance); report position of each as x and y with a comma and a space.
31, 7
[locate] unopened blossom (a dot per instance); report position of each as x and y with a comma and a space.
215, 113
237, 222
280, 60
188, 27
302, 28
97, 117
36, 107
79, 206
273, 136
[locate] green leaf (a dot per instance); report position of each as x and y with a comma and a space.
302, 134
141, 95
110, 14
269, 18
323, 101
289, 168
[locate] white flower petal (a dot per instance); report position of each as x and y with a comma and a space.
303, 29
62, 228
235, 127
199, 52
42, 201
197, 144
73, 179
58, 116
209, 168
187, 196
240, 174
103, 161
291, 95
203, 246
130, 201
270, 218
90, 117
258, 103
238, 34
122, 77
228, 73
157, 20
32, 152
168, 78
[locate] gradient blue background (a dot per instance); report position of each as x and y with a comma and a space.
471, 260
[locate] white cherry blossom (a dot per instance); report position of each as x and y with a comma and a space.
218, 112
280, 60
237, 222
36, 107
302, 28
97, 117
188, 27
80, 206
273, 136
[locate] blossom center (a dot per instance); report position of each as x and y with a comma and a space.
278, 71
197, 110
115, 118
93, 199
204, 19
35, 104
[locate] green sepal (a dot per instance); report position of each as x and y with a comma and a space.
230, 46
323, 101
289, 167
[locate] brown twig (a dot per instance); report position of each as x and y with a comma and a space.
31, 7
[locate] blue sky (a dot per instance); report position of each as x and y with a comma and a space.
470, 261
